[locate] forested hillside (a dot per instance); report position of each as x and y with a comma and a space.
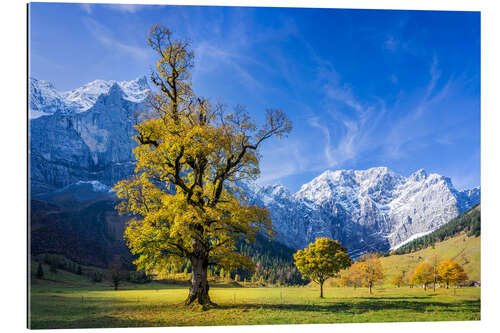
469, 222
92, 234
274, 262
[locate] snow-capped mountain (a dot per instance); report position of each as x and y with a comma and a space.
46, 100
83, 98
374, 209
81, 143
85, 134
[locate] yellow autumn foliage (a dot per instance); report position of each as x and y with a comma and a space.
184, 198
323, 259
450, 272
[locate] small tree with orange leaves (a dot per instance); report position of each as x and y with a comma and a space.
371, 270
422, 275
450, 272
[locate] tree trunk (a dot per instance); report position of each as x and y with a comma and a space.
370, 286
199, 284
321, 288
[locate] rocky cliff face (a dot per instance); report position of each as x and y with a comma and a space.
85, 134
374, 209
83, 137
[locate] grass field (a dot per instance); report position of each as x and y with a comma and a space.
67, 300
465, 250
155, 304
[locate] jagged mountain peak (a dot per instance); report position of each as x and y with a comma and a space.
45, 99
349, 175
349, 183
418, 175
372, 209
276, 190
34, 82
139, 84
83, 98
115, 90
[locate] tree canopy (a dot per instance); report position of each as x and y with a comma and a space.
370, 269
322, 260
398, 280
422, 275
191, 153
450, 272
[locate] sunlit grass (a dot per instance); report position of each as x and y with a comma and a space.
162, 306
465, 250
67, 300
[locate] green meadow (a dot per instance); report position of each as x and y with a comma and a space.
157, 304
67, 300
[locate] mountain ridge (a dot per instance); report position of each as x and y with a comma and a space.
45, 99
67, 146
85, 135
373, 209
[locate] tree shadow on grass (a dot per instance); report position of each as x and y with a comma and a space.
97, 318
363, 306
396, 298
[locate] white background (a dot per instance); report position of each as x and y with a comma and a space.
13, 154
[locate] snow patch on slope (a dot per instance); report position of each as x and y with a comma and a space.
414, 236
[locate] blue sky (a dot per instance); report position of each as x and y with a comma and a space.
363, 88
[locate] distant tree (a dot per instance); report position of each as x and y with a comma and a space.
398, 280
371, 270
322, 260
53, 266
434, 262
79, 270
450, 272
344, 280
422, 275
408, 281
116, 273
96, 277
39, 271
352, 277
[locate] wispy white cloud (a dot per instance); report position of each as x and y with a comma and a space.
87, 7
104, 36
210, 57
315, 122
391, 43
283, 160
405, 130
344, 94
435, 74
126, 8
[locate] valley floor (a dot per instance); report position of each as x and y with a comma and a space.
155, 304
